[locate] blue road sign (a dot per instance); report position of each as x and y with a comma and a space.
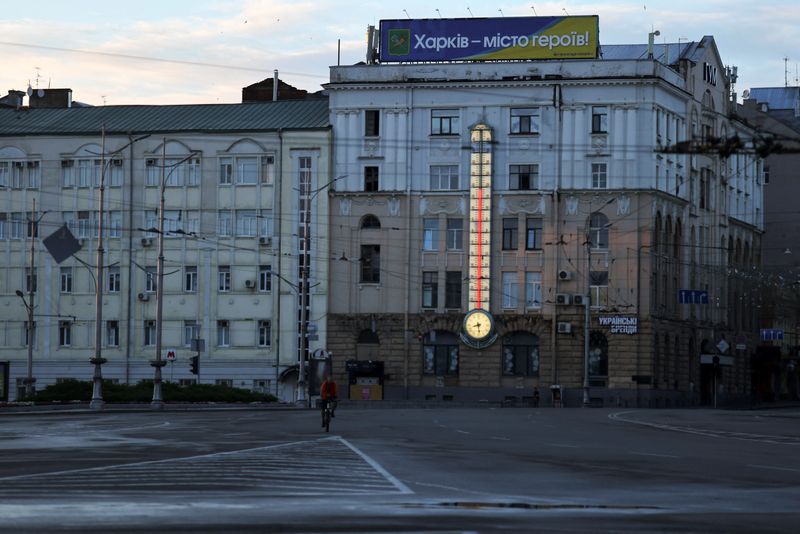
692, 296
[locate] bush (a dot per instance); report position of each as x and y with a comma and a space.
80, 390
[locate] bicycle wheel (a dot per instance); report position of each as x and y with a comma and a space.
327, 420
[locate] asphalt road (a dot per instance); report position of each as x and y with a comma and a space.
401, 470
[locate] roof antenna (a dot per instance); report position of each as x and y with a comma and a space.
564, 9
470, 12
534, 11
786, 72
501, 13
406, 12
439, 12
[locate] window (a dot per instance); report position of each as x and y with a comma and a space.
17, 225
112, 333
370, 264
224, 223
191, 330
430, 234
370, 221
89, 172
533, 233
523, 177
223, 334
115, 173
265, 278
247, 170
267, 169
266, 223
34, 174
444, 122
524, 120
66, 279
114, 228
598, 289
152, 172
452, 289
444, 177
264, 333
521, 354
172, 222
455, 234
149, 333
599, 175
64, 333
510, 234
246, 223
150, 279
598, 354
224, 278
32, 225
598, 231
599, 119
3, 230
372, 123
510, 290
533, 290
371, 179
430, 289
190, 279
114, 280
440, 353
225, 171
85, 224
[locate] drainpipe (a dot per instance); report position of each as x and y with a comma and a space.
277, 231
407, 296
129, 322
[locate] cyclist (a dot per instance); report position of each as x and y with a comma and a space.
328, 392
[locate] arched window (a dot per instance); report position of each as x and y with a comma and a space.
440, 353
521, 354
678, 241
370, 221
598, 355
598, 231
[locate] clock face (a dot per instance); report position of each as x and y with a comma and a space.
478, 324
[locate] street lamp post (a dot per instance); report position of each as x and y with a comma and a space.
158, 402
33, 229
98, 360
310, 195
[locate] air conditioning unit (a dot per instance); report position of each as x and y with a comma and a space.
579, 300
564, 275
564, 328
147, 241
249, 284
144, 297
265, 241
563, 299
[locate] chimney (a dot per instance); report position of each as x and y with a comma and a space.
13, 99
50, 98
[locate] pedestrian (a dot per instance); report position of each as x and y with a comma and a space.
535, 397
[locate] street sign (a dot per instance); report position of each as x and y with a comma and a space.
771, 334
723, 346
320, 354
170, 354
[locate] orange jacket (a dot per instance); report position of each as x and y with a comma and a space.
328, 390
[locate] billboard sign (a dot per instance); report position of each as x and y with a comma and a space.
487, 39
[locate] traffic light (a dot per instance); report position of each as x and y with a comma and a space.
195, 364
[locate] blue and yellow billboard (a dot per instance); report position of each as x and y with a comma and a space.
486, 39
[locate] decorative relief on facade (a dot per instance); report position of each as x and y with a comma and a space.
572, 205
623, 205
345, 206
514, 205
371, 148
394, 206
440, 206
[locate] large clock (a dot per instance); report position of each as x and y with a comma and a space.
478, 329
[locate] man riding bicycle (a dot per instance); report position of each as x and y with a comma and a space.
328, 393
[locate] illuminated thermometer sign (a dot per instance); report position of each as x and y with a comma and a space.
478, 329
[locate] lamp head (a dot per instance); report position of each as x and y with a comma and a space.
19, 293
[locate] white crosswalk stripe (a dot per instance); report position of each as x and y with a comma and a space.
318, 467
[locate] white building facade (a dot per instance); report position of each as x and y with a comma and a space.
589, 199
235, 178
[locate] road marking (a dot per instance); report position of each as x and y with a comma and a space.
563, 445
743, 436
653, 454
774, 468
499, 438
462, 431
323, 466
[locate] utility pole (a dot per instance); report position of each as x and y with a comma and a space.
158, 402
98, 360
30, 382
587, 323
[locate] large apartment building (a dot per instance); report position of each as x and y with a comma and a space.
506, 226
235, 179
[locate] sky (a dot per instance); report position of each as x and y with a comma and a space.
205, 51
